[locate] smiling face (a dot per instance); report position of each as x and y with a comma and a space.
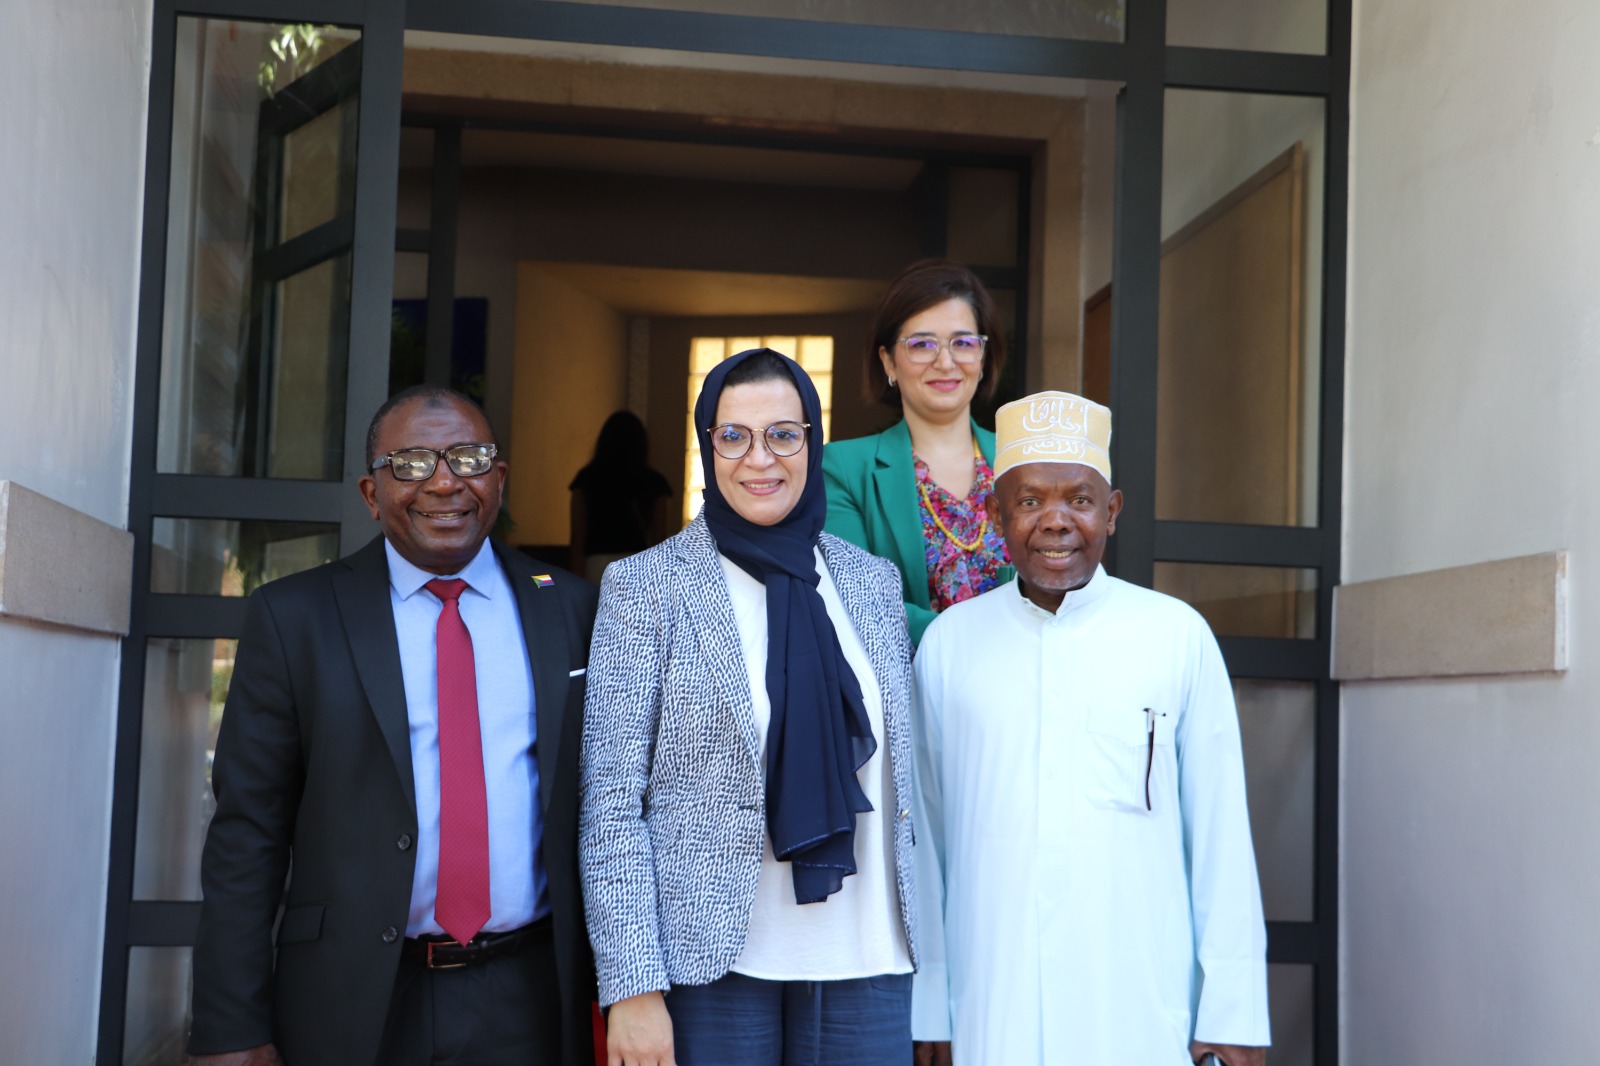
439, 524
761, 487
1055, 518
935, 391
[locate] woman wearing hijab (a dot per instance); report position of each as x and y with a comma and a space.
744, 837
915, 493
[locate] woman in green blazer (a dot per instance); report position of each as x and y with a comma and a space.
917, 493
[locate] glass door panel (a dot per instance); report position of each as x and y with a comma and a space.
260, 224
1291, 1003
1249, 25
221, 557
304, 368
157, 1007
1278, 731
1241, 318
186, 682
1246, 601
316, 164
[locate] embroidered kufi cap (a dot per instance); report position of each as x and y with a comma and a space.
1052, 427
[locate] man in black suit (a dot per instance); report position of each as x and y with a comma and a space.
403, 752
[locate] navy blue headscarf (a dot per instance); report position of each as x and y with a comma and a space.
819, 735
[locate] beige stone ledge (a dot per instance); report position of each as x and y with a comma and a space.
1503, 617
60, 566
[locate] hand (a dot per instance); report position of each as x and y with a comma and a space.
639, 1032
932, 1052
265, 1055
1230, 1054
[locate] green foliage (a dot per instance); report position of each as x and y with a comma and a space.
294, 50
221, 678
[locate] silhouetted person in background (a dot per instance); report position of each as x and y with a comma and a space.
618, 503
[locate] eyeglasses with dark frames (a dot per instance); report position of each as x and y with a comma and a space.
783, 439
418, 464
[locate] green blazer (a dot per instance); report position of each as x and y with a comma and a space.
872, 502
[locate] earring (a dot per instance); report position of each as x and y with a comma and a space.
891, 383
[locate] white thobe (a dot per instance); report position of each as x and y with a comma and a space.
1062, 920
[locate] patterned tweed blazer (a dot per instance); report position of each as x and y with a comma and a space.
673, 824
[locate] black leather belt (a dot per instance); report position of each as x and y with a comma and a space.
440, 952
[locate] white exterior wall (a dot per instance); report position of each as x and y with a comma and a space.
1469, 850
73, 126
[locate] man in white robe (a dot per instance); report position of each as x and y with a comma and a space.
1087, 883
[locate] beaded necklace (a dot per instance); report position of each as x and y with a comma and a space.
983, 526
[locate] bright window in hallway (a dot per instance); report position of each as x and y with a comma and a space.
815, 354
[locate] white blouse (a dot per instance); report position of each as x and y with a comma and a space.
857, 932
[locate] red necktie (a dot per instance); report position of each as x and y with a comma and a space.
461, 904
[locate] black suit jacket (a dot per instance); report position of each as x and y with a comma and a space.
313, 771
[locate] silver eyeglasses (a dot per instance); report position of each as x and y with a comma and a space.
963, 347
783, 439
418, 464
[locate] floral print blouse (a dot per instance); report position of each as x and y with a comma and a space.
963, 549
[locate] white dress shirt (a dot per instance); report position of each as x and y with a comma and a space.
858, 931
506, 717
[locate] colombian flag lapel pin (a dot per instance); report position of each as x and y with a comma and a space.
544, 581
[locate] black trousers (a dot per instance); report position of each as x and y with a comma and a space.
504, 1011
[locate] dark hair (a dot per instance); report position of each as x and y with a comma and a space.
922, 285
623, 443
434, 396
764, 364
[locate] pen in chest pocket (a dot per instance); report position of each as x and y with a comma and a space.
1150, 716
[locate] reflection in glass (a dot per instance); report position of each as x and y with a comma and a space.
263, 151
157, 1018
1088, 20
1240, 328
219, 557
304, 427
1249, 25
1245, 601
186, 682
312, 190
1278, 726
1291, 1003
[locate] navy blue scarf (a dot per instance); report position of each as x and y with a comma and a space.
819, 736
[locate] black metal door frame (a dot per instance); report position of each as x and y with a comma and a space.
1142, 63
132, 923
